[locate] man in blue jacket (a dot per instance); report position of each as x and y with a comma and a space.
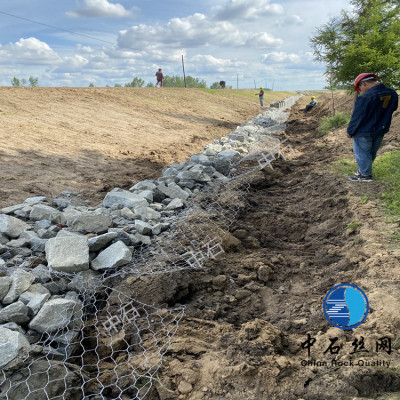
371, 119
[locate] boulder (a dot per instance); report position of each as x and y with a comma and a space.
175, 204
5, 282
16, 312
173, 191
35, 200
12, 226
11, 343
54, 315
20, 281
41, 211
142, 227
87, 282
99, 242
230, 155
114, 256
35, 297
146, 194
147, 214
124, 198
12, 209
91, 223
68, 254
144, 185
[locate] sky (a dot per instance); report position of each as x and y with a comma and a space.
247, 43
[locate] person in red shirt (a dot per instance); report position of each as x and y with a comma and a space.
160, 77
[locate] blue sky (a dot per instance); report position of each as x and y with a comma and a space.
265, 41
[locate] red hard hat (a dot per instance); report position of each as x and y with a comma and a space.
360, 78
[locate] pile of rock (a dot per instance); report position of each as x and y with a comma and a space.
43, 242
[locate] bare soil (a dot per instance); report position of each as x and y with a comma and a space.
242, 333
90, 140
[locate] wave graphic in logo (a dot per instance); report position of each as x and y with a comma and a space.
346, 306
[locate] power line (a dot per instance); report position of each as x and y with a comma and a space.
55, 27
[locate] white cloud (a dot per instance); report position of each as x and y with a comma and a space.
206, 62
74, 63
29, 51
192, 32
247, 10
281, 58
99, 8
263, 40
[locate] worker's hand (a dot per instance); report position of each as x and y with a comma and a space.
350, 137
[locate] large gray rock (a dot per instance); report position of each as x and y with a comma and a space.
147, 214
42, 273
175, 204
99, 242
35, 297
124, 198
231, 155
12, 226
41, 211
69, 214
88, 282
15, 312
68, 254
5, 282
173, 191
12, 209
146, 194
11, 343
35, 200
91, 223
20, 281
114, 256
143, 227
144, 185
55, 314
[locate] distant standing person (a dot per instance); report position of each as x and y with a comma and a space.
261, 96
160, 77
371, 119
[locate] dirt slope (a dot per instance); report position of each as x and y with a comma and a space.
242, 332
91, 140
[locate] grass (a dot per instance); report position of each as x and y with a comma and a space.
345, 166
387, 170
354, 225
336, 121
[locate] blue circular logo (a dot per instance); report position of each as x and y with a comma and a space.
346, 306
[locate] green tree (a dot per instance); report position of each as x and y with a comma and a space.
177, 81
91, 84
173, 81
136, 82
15, 82
117, 85
215, 85
366, 40
33, 81
149, 84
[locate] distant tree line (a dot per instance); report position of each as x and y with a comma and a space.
22, 82
172, 81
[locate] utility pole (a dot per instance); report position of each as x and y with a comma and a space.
183, 66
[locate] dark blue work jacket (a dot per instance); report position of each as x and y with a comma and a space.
372, 114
